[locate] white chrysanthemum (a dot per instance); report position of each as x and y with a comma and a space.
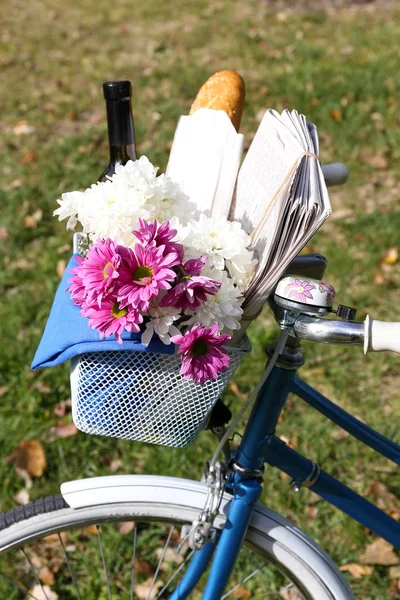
139, 174
223, 307
109, 209
226, 245
68, 208
170, 201
162, 319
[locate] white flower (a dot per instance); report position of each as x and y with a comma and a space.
161, 322
139, 174
69, 208
223, 307
226, 245
109, 209
170, 201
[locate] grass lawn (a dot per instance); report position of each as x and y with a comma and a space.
341, 69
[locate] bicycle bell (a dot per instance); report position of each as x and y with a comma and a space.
304, 295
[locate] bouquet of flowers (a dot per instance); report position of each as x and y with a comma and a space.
157, 266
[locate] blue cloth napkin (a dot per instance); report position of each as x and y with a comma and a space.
68, 334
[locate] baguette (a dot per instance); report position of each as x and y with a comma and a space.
225, 90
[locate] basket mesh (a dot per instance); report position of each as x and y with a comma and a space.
141, 396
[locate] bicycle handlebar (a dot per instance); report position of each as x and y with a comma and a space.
335, 173
372, 335
381, 336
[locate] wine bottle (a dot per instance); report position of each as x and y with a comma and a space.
121, 133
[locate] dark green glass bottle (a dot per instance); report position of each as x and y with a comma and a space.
121, 132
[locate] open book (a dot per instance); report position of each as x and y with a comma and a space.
281, 198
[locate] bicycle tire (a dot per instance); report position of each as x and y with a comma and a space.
270, 535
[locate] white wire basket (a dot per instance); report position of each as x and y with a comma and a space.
141, 396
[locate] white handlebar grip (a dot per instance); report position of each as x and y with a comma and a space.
381, 336
335, 173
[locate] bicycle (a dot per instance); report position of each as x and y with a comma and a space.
219, 515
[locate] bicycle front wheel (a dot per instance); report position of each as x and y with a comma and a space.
133, 548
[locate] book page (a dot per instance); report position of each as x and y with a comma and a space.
268, 163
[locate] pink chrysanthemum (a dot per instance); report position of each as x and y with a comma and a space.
111, 319
146, 272
192, 288
100, 270
76, 287
203, 357
154, 235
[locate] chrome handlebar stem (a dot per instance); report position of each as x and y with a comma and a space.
328, 331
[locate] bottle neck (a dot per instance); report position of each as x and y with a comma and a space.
121, 154
121, 134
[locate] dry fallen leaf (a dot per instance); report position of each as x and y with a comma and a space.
391, 256
62, 408
13, 185
375, 159
22, 128
3, 390
143, 567
142, 589
394, 572
312, 513
357, 571
380, 552
25, 476
233, 386
290, 593
28, 157
336, 114
340, 434
125, 527
22, 497
62, 430
30, 456
313, 498
3, 233
115, 465
61, 264
90, 530
46, 576
379, 279
241, 593
54, 539
42, 387
171, 556
43, 593
381, 494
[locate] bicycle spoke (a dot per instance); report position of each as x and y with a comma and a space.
244, 581
133, 564
69, 566
175, 574
160, 562
34, 573
19, 587
103, 561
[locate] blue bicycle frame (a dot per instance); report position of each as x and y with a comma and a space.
260, 445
